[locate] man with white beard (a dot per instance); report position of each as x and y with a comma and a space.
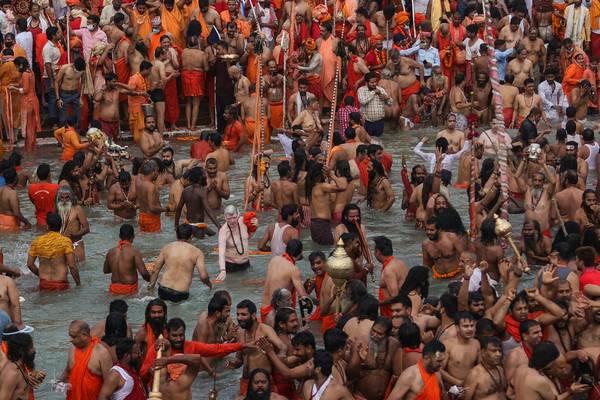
74, 222
538, 197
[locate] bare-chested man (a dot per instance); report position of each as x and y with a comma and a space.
107, 101
151, 141
536, 52
580, 97
393, 273
424, 378
525, 102
194, 199
55, 253
147, 198
299, 100
194, 64
441, 251
18, 377
568, 200
538, 197
122, 197
273, 82
67, 88
209, 14
180, 258
482, 96
487, 381
509, 93
217, 185
234, 39
462, 352
512, 33
282, 272
284, 190
456, 138
392, 88
220, 152
124, 262
156, 81
10, 210
520, 67
98, 365
74, 222
251, 330
241, 83
459, 105
322, 184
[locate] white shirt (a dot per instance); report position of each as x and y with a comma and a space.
448, 159
108, 12
25, 40
50, 54
5, 25
552, 97
431, 55
471, 51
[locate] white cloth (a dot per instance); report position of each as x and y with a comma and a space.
286, 142
448, 159
574, 27
473, 50
125, 391
268, 16
591, 160
25, 40
277, 244
316, 393
551, 97
108, 12
5, 25
51, 55
43, 23
475, 281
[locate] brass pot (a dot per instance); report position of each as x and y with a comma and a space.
340, 265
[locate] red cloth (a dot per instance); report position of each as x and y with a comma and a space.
84, 384
171, 102
407, 92
248, 217
590, 276
150, 353
284, 387
264, 312
42, 195
110, 128
53, 286
192, 83
508, 113
364, 173
149, 222
512, 325
386, 160
200, 149
137, 392
126, 289
595, 45
384, 310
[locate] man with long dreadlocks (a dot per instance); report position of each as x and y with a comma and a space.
18, 377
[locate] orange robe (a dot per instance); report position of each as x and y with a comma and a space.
150, 353
327, 321
136, 115
431, 386
242, 26
172, 22
30, 110
149, 222
155, 43
145, 28
252, 68
193, 83
122, 68
84, 384
70, 141
125, 289
384, 310
571, 78
328, 69
10, 100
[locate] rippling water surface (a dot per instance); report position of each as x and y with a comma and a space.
50, 314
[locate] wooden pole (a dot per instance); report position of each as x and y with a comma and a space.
338, 68
68, 28
472, 211
412, 10
155, 393
285, 44
365, 247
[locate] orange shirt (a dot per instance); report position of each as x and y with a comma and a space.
71, 144
138, 83
571, 79
233, 134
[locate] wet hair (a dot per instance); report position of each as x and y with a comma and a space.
304, 338
153, 303
300, 161
284, 168
462, 315
543, 355
484, 327
123, 347
287, 210
175, 324
294, 248
590, 238
126, 232
323, 360
435, 346
368, 308
196, 176
343, 169
409, 335
115, 328
488, 231
449, 304
43, 171
217, 303
247, 304
448, 220
561, 134
334, 339
119, 306
53, 221
251, 394
282, 316
417, 278
356, 290
384, 245
345, 212
145, 65
315, 255
487, 341
384, 322
184, 232
18, 345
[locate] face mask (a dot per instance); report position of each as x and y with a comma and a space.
125, 27
155, 30
91, 27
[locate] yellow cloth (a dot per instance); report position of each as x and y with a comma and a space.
172, 22
50, 245
436, 12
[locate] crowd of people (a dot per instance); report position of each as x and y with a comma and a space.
323, 82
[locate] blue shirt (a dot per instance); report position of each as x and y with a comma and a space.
501, 61
2, 181
431, 55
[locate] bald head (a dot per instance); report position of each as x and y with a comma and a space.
234, 72
80, 326
79, 334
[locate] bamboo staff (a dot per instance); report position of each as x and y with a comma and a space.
285, 43
257, 137
155, 393
292, 27
560, 218
503, 138
338, 68
412, 10
67, 27
472, 211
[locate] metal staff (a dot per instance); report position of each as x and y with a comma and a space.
155, 393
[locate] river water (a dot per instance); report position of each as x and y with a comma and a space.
51, 313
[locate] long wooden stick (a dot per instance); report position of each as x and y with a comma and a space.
68, 36
338, 70
560, 218
365, 247
285, 47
